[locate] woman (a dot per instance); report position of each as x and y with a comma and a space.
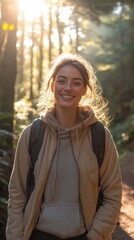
63, 202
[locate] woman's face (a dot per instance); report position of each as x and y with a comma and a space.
68, 87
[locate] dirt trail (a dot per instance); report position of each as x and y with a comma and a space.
126, 229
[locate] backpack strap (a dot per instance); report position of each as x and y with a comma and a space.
35, 143
36, 139
98, 143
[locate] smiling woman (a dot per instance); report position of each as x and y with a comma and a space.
66, 173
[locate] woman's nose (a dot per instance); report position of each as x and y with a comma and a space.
68, 86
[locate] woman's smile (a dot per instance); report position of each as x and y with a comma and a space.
67, 97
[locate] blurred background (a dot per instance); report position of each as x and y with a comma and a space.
32, 34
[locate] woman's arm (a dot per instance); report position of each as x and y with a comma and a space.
106, 217
17, 188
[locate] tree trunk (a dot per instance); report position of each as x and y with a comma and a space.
59, 32
49, 35
77, 35
31, 65
2, 27
41, 53
8, 70
21, 58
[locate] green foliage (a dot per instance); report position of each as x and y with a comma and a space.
6, 159
123, 134
94, 8
5, 139
5, 170
25, 112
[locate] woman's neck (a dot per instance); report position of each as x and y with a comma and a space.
66, 117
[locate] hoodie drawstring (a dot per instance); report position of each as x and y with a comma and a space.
56, 163
77, 143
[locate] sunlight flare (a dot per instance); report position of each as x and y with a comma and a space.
32, 8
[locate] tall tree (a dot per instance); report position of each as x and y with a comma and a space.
8, 66
21, 57
60, 31
50, 34
2, 24
32, 63
41, 51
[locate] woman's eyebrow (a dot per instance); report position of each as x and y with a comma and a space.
61, 76
75, 78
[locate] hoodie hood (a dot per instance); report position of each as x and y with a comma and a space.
86, 118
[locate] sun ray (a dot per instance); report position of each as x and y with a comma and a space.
32, 8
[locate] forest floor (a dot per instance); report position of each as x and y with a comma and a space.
125, 231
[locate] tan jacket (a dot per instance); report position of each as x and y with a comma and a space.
99, 225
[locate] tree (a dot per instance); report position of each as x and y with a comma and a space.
8, 66
2, 24
21, 56
32, 63
50, 35
41, 52
118, 54
60, 31
93, 8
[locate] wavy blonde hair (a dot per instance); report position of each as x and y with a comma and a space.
93, 97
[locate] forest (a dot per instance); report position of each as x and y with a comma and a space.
32, 34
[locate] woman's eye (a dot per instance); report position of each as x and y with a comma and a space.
61, 81
77, 83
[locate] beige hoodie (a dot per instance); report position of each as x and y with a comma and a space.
99, 225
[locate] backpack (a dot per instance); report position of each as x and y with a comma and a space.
35, 143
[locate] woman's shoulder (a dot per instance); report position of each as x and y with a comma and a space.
25, 134
109, 141
108, 134
26, 130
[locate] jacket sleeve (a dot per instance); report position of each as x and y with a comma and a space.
17, 188
106, 217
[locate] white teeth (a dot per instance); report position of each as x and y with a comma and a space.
67, 97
